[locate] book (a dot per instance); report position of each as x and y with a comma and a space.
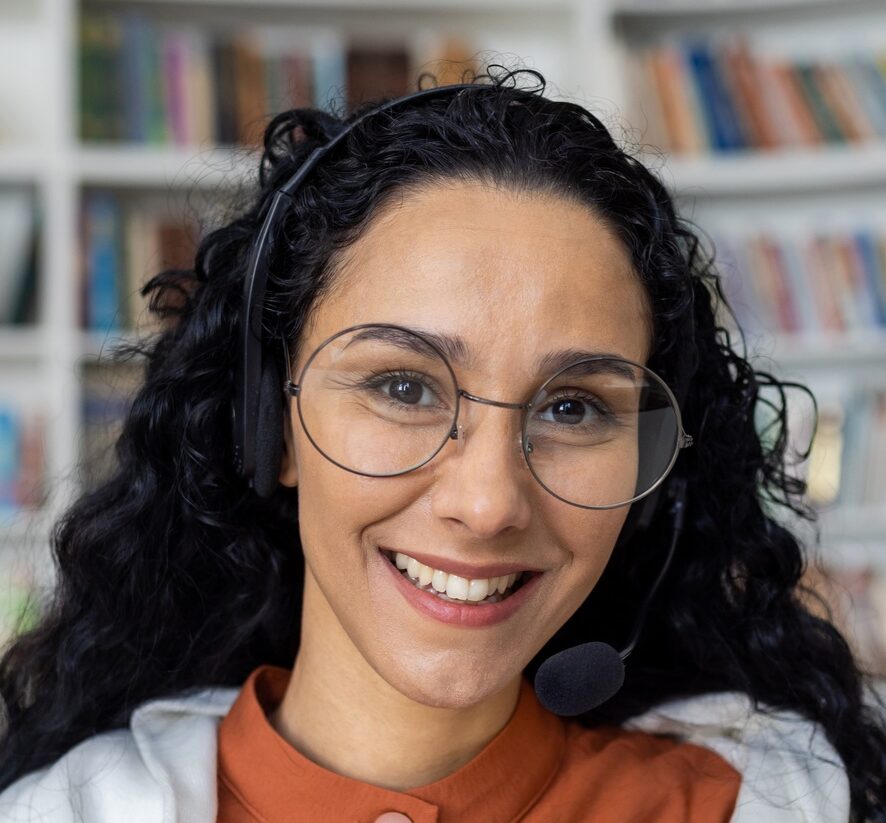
101, 227
108, 390
376, 71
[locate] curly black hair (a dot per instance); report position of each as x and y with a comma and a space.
174, 574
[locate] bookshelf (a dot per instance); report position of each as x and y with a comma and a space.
587, 49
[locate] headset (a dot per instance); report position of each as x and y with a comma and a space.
257, 424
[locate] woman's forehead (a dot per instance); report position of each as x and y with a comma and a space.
497, 269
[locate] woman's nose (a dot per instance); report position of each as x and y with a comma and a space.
482, 478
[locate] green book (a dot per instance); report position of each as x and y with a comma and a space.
821, 112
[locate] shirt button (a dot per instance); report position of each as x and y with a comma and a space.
393, 817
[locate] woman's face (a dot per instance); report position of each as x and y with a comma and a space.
515, 277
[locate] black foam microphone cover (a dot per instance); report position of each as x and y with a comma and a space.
580, 678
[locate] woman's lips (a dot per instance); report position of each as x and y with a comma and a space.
474, 615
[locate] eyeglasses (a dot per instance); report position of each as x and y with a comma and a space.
381, 400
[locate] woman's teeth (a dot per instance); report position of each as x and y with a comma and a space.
453, 587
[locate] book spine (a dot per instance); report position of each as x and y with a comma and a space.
824, 119
804, 127
9, 460
134, 73
870, 100
328, 73
875, 278
102, 257
715, 103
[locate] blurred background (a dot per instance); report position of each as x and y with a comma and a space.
127, 128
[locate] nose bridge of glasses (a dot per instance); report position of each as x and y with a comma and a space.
459, 430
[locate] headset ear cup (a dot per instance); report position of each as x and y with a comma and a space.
269, 431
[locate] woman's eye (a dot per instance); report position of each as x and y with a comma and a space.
573, 411
407, 390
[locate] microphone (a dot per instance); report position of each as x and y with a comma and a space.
578, 679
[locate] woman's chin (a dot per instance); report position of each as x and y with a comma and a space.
445, 687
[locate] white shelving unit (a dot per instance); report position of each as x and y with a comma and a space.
835, 186
579, 45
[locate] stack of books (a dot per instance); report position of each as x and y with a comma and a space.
713, 95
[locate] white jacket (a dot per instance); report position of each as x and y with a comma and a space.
162, 768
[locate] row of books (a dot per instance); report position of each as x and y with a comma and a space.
125, 242
700, 95
21, 460
107, 393
847, 462
805, 282
145, 81
19, 241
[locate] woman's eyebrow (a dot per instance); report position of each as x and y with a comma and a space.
453, 346
459, 352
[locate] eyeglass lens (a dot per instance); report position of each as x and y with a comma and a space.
598, 433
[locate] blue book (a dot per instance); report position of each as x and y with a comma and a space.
102, 261
801, 286
872, 98
329, 71
722, 119
9, 460
875, 277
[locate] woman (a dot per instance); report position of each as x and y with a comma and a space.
329, 610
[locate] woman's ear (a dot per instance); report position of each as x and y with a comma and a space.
288, 462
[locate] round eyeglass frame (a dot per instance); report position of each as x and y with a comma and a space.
683, 439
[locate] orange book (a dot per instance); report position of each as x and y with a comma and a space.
249, 92
456, 58
747, 84
30, 488
763, 283
821, 279
672, 86
780, 287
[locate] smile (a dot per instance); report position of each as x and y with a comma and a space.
453, 587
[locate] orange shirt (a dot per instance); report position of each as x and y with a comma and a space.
539, 768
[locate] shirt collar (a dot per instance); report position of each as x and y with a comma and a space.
288, 785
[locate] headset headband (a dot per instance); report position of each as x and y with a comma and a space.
250, 367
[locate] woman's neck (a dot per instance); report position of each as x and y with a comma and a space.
341, 714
